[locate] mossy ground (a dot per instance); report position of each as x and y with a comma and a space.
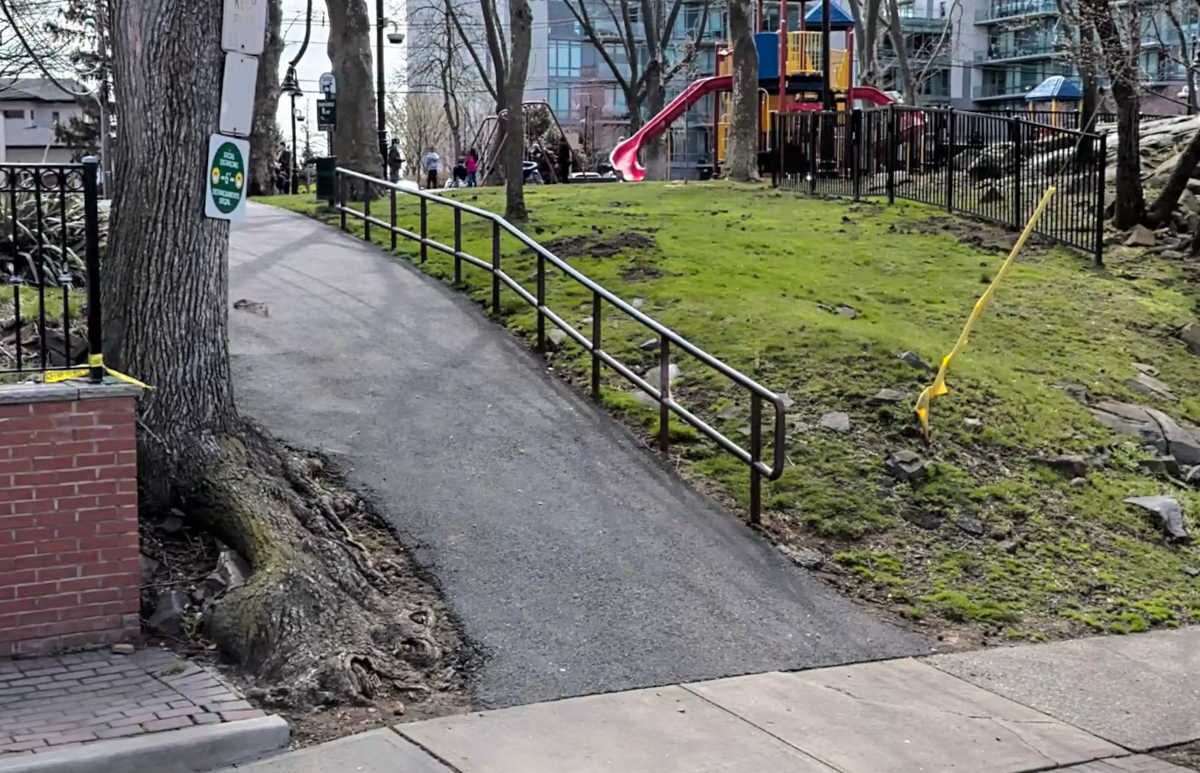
753, 276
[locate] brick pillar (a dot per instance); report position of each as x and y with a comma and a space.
69, 562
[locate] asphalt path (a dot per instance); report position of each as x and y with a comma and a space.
574, 558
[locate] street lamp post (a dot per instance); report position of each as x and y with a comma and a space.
291, 87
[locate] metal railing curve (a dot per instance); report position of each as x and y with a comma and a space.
752, 456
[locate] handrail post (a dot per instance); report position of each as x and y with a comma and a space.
596, 345
91, 224
755, 457
424, 213
393, 228
341, 192
664, 394
1101, 162
366, 214
495, 267
457, 246
541, 302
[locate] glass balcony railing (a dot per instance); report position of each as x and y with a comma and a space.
1029, 50
989, 90
1008, 9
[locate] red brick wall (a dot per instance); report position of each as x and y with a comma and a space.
69, 563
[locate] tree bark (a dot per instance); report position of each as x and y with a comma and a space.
911, 97
356, 141
521, 29
315, 615
741, 146
1160, 211
1122, 68
266, 105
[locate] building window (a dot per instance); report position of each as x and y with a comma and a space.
559, 98
565, 57
54, 118
14, 113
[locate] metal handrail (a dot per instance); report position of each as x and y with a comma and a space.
667, 337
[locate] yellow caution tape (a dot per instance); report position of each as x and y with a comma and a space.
94, 361
938, 387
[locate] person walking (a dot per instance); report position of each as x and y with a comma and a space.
431, 169
472, 165
395, 161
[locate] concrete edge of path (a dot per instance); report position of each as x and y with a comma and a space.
188, 750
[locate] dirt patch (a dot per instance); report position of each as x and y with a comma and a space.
600, 245
1186, 756
177, 556
978, 234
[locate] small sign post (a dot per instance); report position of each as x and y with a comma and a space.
227, 178
326, 115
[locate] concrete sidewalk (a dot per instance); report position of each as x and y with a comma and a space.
899, 716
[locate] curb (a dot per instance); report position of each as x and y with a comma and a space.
189, 750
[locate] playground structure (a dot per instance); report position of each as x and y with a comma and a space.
542, 140
792, 77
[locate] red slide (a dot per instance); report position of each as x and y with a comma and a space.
624, 155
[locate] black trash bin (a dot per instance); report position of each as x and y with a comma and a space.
327, 179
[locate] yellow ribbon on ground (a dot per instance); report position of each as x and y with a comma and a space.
938, 387
94, 361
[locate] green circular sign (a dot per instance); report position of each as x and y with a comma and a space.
227, 178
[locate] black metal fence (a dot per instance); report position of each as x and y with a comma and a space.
981, 165
50, 262
353, 186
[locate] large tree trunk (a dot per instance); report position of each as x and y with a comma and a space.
356, 141
656, 99
1164, 205
909, 81
741, 146
266, 105
315, 615
521, 30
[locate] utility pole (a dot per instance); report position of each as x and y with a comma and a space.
380, 102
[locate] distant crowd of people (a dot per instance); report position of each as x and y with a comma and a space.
464, 172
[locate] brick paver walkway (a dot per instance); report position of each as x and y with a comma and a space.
53, 702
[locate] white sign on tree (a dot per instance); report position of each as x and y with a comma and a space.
237, 95
244, 26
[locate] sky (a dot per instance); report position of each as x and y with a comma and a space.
316, 61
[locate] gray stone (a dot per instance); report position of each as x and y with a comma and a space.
1178, 442
149, 567
1164, 466
836, 421
901, 716
807, 558
1115, 687
906, 465
930, 520
1008, 546
649, 345
123, 649
1172, 255
659, 730
638, 302
970, 525
1142, 367
1133, 420
887, 396
169, 612
652, 376
1188, 202
555, 338
1151, 386
1190, 335
171, 524
233, 570
846, 311
1140, 236
1069, 465
912, 358
1077, 482
1168, 511
786, 400
1190, 571
972, 423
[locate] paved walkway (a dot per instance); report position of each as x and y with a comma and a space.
571, 555
899, 716
52, 703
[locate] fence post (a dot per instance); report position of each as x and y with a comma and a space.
1100, 175
596, 316
366, 215
856, 151
815, 119
755, 456
457, 246
393, 221
91, 225
495, 264
341, 194
776, 122
664, 394
953, 139
1018, 158
890, 149
541, 302
424, 213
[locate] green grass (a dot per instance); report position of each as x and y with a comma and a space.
749, 274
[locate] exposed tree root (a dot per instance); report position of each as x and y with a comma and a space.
320, 615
